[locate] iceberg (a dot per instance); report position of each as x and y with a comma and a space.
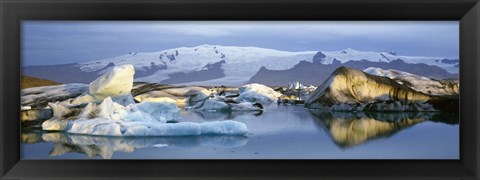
110, 127
182, 96
419, 83
116, 83
109, 110
38, 97
258, 93
213, 105
349, 89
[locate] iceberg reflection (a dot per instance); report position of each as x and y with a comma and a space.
349, 129
104, 147
215, 116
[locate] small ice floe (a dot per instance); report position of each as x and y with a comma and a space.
23, 108
258, 93
160, 145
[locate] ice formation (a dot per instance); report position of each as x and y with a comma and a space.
182, 96
108, 109
348, 89
258, 93
38, 97
418, 83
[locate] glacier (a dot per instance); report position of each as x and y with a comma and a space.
241, 63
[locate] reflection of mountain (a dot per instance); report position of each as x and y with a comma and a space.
348, 129
104, 147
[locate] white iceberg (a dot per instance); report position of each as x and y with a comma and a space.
214, 105
109, 127
116, 83
258, 93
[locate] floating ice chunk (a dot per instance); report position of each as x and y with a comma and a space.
182, 96
110, 110
59, 109
145, 111
258, 93
155, 99
156, 111
23, 108
224, 127
89, 111
40, 96
109, 127
117, 81
160, 145
55, 125
124, 100
213, 105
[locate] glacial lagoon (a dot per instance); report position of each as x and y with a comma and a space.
279, 132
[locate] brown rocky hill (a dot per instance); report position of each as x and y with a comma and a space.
28, 82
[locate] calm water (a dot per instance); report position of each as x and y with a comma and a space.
283, 132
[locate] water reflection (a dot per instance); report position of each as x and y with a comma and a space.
308, 129
104, 147
348, 129
209, 116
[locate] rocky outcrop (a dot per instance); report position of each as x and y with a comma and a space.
29, 82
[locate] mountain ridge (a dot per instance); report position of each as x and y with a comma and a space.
240, 64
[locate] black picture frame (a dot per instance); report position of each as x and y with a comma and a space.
14, 11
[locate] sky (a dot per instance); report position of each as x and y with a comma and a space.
63, 42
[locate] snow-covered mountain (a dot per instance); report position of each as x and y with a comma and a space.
237, 63
451, 65
217, 65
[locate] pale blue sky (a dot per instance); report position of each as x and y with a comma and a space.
61, 42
